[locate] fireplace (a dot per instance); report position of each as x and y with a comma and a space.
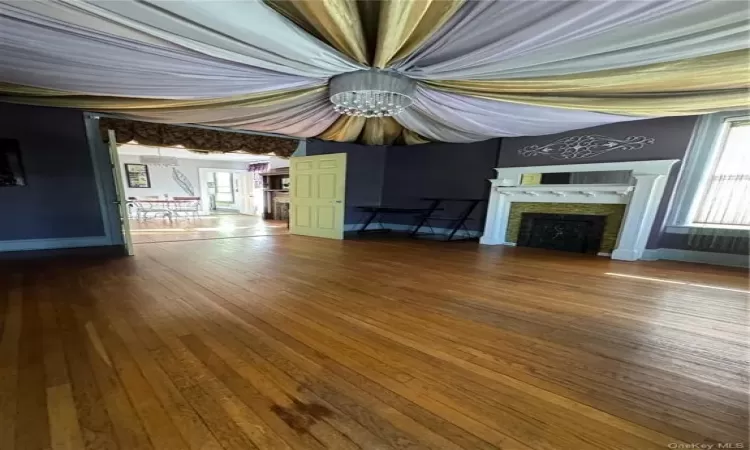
641, 196
580, 233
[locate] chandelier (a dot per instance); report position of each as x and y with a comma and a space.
371, 93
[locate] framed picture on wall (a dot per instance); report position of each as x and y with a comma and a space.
11, 169
137, 175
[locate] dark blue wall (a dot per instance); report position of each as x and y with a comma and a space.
440, 170
671, 138
61, 198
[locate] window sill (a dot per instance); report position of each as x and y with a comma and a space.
713, 230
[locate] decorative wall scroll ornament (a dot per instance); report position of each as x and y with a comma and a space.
182, 180
583, 147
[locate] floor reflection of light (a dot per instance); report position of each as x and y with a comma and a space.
661, 280
159, 230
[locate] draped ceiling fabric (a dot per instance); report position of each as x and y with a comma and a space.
484, 68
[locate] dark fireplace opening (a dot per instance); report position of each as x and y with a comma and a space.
580, 233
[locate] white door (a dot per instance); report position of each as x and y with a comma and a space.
248, 194
317, 191
122, 205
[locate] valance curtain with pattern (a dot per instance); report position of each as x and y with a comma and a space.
484, 68
195, 139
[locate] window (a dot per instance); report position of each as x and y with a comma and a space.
714, 187
724, 198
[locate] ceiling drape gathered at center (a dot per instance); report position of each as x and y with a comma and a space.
484, 69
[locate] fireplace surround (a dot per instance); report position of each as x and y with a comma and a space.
641, 196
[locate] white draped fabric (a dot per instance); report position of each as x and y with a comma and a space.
94, 63
523, 38
443, 116
247, 32
159, 50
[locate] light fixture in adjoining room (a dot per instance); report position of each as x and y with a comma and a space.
371, 93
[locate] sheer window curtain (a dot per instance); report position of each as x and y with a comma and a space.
722, 211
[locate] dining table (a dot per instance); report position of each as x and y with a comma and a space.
167, 207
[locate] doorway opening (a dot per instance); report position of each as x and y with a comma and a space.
174, 194
222, 188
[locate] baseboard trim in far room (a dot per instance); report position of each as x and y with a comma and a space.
716, 259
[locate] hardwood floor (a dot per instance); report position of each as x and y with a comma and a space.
288, 342
219, 226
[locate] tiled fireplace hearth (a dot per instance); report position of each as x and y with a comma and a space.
610, 214
640, 199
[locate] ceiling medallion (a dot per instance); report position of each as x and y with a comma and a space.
371, 93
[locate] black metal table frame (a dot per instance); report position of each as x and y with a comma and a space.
458, 222
376, 211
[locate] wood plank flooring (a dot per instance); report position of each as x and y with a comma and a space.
287, 342
218, 226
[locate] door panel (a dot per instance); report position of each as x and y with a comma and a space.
326, 217
317, 195
302, 216
302, 186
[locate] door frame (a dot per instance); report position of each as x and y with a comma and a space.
202, 182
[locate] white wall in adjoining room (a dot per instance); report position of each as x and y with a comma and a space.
162, 177
277, 163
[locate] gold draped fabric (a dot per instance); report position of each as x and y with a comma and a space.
654, 105
119, 104
19, 89
334, 21
412, 138
372, 131
381, 131
400, 26
730, 70
695, 86
344, 129
196, 139
405, 24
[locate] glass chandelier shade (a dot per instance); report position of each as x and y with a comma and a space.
371, 93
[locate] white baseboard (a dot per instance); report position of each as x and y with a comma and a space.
402, 227
49, 244
717, 259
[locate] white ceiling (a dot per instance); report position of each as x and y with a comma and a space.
131, 149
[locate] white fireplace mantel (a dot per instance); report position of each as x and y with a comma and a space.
642, 197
